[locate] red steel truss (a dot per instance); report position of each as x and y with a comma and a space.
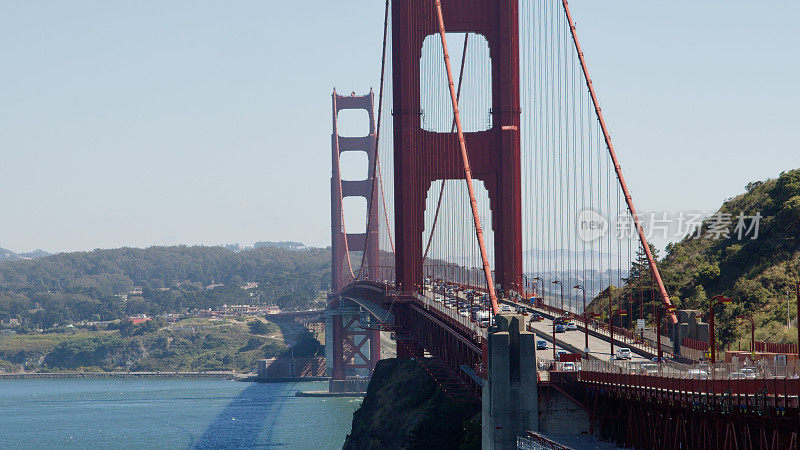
634, 418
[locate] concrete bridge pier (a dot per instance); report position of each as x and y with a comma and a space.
510, 393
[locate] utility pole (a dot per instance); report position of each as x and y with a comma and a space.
619, 312
562, 294
585, 321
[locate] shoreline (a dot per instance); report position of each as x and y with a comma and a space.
151, 375
256, 379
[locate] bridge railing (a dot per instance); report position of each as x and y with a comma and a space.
384, 274
706, 393
453, 317
760, 370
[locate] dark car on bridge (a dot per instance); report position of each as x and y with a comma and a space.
541, 345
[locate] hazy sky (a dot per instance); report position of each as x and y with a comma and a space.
163, 122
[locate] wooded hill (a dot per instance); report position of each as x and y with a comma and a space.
97, 285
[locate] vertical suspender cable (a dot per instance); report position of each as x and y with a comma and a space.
452, 128
377, 169
465, 159
617, 168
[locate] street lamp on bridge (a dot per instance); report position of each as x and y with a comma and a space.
586, 331
537, 280
585, 320
614, 312
715, 300
525, 287
560, 284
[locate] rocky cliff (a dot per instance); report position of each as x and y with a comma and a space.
405, 408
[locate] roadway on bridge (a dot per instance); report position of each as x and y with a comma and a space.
599, 348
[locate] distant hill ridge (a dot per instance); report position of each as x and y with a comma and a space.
8, 255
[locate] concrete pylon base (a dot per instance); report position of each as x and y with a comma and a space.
510, 394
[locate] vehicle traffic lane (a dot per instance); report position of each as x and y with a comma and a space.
598, 348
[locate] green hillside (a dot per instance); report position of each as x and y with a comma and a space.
756, 271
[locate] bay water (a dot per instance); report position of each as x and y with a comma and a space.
169, 413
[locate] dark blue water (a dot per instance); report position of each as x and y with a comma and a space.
197, 413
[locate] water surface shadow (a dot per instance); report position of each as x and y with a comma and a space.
247, 420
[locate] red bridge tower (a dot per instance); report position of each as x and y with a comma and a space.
494, 153
351, 349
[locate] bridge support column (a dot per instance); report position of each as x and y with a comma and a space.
510, 393
351, 348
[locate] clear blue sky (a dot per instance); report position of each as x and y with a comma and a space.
148, 122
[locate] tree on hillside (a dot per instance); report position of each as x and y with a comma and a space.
640, 274
640, 287
258, 327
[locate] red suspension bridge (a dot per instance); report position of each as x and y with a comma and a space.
493, 181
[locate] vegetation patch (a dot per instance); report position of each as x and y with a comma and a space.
756, 271
104, 285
